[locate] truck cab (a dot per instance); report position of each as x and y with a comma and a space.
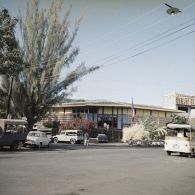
180, 139
12, 132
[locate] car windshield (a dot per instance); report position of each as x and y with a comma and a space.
34, 134
102, 135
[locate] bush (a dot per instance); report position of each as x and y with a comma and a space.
136, 132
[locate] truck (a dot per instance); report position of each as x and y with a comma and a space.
13, 133
180, 139
71, 136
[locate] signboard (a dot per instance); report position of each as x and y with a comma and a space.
190, 101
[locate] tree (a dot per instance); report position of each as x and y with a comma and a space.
47, 47
10, 58
81, 124
177, 119
156, 132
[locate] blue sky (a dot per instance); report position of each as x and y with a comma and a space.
115, 29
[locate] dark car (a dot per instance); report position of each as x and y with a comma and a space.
102, 138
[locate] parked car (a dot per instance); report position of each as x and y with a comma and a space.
37, 139
143, 143
102, 138
12, 132
48, 132
71, 136
158, 143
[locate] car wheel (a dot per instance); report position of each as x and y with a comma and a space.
181, 154
48, 145
55, 140
168, 153
72, 141
191, 154
40, 145
14, 146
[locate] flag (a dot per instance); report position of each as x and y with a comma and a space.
132, 111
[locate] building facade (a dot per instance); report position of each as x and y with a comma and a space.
181, 102
116, 114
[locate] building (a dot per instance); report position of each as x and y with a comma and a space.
115, 115
181, 102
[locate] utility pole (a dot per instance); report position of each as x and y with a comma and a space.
9, 96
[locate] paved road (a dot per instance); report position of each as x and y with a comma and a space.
104, 169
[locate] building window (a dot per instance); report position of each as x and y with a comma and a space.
183, 108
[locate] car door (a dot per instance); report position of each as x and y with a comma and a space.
67, 136
62, 136
44, 139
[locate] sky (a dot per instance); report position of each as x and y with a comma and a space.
144, 52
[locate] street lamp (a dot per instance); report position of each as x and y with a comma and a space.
172, 10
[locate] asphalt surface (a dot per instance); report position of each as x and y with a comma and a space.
106, 169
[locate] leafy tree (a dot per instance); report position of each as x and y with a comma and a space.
176, 119
47, 47
4, 95
10, 58
156, 132
52, 124
80, 124
55, 125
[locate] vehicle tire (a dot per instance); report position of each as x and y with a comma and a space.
181, 154
48, 145
55, 140
168, 153
72, 141
40, 145
191, 154
14, 146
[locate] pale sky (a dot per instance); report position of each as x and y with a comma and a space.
145, 52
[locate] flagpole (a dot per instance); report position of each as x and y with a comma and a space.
132, 112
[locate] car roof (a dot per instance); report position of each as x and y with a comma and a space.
71, 130
13, 121
180, 126
37, 132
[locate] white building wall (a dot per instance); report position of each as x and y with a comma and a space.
169, 101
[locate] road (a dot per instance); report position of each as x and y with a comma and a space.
106, 169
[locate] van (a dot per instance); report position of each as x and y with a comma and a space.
13, 132
71, 136
180, 139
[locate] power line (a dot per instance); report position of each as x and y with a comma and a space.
147, 50
131, 22
135, 32
146, 42
60, 56
124, 25
155, 40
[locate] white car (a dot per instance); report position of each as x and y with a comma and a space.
38, 139
71, 136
